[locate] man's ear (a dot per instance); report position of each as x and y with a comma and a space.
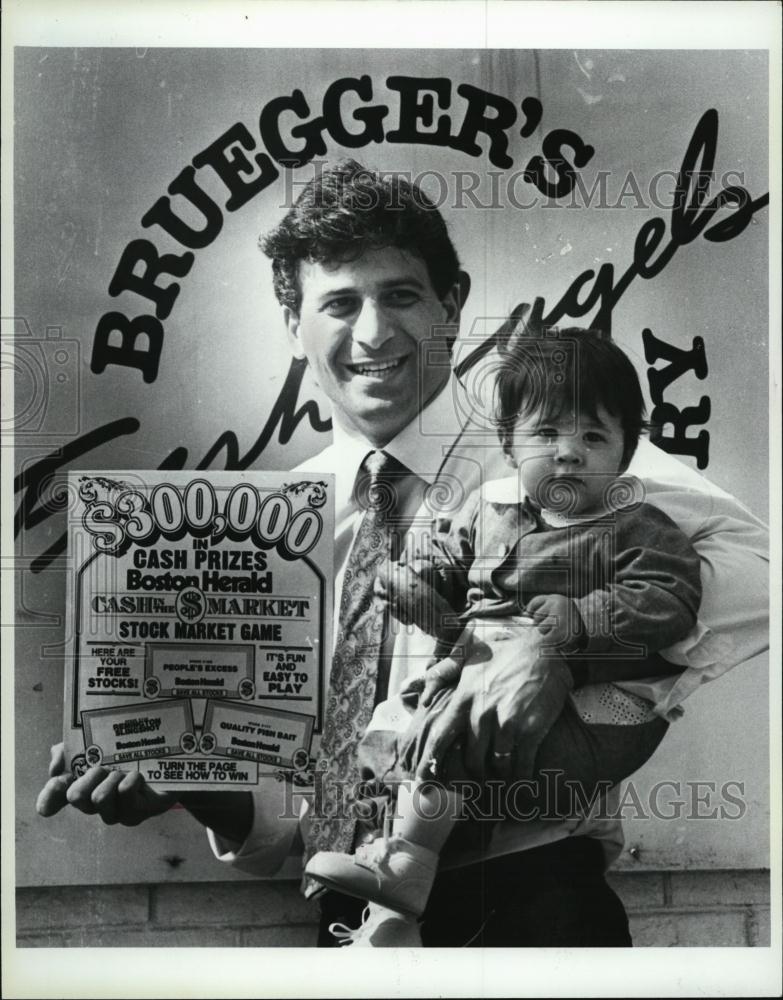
455, 298
291, 320
463, 284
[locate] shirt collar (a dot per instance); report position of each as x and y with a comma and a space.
419, 446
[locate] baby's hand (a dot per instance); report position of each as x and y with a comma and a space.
445, 672
557, 619
408, 589
399, 586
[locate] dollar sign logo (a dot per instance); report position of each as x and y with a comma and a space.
190, 605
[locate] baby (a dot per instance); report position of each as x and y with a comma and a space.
565, 560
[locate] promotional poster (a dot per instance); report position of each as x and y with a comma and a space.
200, 615
169, 575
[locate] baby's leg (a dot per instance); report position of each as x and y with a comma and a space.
426, 813
397, 868
390, 870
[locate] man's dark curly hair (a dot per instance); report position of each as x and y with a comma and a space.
348, 209
553, 371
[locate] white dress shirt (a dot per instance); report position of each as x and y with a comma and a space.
451, 455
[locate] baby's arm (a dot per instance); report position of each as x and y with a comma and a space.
648, 599
558, 620
413, 593
428, 588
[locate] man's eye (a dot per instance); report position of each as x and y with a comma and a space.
343, 305
401, 297
547, 432
594, 437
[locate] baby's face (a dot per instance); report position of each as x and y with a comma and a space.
567, 464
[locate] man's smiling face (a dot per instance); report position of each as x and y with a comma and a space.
360, 327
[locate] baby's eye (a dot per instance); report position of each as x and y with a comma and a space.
594, 437
546, 432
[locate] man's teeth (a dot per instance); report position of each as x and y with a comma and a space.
377, 368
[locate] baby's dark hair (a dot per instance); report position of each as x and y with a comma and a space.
347, 209
556, 370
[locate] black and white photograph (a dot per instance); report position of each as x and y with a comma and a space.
391, 486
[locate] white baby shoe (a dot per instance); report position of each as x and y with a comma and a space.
380, 928
390, 870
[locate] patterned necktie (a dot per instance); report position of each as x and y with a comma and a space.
354, 673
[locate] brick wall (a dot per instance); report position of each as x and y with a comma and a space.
696, 908
666, 909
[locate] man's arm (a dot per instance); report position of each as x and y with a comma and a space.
733, 548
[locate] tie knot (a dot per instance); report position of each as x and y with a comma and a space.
376, 463
377, 483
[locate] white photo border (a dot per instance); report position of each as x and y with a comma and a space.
245, 972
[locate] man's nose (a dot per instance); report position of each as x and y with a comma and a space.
569, 451
372, 327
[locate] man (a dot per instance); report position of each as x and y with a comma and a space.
371, 292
